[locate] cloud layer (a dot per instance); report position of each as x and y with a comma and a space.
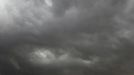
100, 32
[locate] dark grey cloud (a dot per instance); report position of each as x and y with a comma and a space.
66, 36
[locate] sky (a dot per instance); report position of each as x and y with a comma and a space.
39, 37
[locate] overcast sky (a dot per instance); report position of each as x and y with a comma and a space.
93, 34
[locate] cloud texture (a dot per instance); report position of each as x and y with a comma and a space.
94, 35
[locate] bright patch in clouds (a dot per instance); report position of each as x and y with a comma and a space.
49, 3
43, 56
3, 4
48, 57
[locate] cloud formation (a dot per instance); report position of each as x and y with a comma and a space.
87, 31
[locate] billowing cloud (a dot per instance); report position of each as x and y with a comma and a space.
91, 34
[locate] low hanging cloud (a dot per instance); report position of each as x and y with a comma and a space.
94, 34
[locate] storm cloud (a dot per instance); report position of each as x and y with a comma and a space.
38, 37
